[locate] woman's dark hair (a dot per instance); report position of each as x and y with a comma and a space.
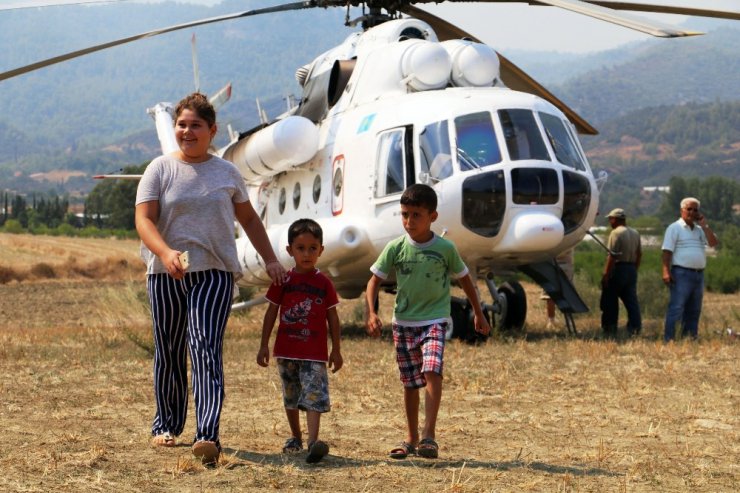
198, 103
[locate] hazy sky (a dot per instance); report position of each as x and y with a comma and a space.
520, 26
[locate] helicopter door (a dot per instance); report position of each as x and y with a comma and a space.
394, 165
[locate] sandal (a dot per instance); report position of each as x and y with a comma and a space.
292, 445
207, 451
403, 450
164, 440
316, 451
428, 448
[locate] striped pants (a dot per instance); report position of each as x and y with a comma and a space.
197, 306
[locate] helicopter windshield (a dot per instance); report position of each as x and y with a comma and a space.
561, 141
476, 141
523, 138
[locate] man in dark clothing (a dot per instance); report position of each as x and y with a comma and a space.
620, 276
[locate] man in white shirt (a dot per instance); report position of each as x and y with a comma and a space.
684, 259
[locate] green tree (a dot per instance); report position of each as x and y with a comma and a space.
111, 203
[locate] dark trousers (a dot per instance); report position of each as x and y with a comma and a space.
622, 285
189, 314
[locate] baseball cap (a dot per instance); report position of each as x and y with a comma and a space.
617, 213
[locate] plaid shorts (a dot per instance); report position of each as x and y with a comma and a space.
305, 385
419, 350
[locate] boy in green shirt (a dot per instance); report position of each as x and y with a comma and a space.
423, 263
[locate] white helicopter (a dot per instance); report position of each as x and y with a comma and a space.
417, 100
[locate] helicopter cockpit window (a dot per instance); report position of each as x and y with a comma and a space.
576, 199
562, 144
434, 150
391, 164
532, 186
476, 141
522, 135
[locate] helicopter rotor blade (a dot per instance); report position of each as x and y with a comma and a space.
591, 9
512, 76
92, 49
667, 9
29, 4
607, 10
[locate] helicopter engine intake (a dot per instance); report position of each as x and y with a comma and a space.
425, 65
279, 147
473, 64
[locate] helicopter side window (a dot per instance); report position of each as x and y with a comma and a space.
434, 150
560, 140
522, 135
476, 141
391, 164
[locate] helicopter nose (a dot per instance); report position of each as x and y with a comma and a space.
531, 231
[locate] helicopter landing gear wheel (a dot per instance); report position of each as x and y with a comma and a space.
513, 307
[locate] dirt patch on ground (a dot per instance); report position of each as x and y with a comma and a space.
534, 412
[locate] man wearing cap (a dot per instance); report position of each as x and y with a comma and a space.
684, 259
620, 276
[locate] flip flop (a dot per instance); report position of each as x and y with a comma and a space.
292, 445
402, 451
207, 451
164, 440
317, 451
428, 448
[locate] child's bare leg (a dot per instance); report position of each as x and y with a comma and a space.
313, 421
411, 404
294, 421
432, 400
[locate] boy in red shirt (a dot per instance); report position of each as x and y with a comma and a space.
306, 303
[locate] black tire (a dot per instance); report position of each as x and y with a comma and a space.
460, 316
514, 307
462, 323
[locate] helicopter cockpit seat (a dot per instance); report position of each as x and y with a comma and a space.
441, 167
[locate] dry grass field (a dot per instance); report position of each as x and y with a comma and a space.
532, 412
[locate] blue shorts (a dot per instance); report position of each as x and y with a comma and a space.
305, 385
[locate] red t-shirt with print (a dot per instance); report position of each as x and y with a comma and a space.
304, 300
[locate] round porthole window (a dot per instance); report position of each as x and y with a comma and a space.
337, 182
296, 195
281, 201
316, 189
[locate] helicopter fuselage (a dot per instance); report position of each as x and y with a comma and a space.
513, 183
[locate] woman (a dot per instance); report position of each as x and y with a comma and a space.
186, 203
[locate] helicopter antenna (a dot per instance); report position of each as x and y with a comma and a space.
261, 113
196, 71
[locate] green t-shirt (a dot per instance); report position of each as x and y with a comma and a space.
422, 277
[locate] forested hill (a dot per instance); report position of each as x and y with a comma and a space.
89, 114
650, 146
674, 71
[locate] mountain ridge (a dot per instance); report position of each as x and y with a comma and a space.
89, 114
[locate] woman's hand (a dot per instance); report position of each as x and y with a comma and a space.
171, 261
276, 272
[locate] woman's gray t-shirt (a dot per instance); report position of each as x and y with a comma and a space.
196, 211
